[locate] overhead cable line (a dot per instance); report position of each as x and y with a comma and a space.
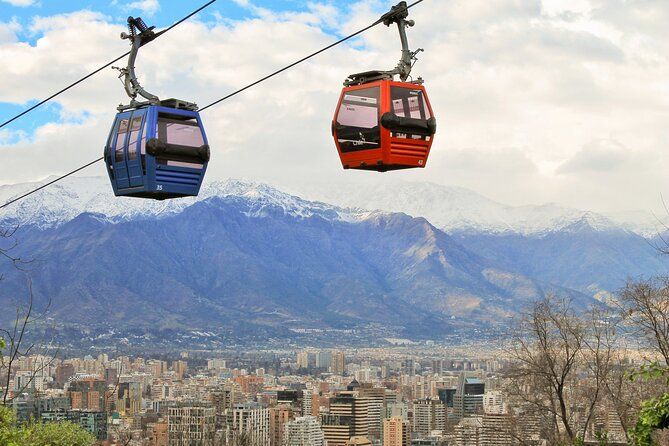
92, 73
297, 62
14, 200
234, 93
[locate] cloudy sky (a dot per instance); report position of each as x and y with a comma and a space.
536, 101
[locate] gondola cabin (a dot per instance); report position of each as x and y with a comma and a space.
158, 152
384, 125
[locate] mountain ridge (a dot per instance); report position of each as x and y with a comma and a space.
247, 257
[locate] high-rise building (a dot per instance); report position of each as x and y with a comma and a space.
493, 402
88, 394
129, 398
468, 432
351, 404
396, 432
468, 400
308, 403
191, 425
94, 422
223, 400
437, 366
216, 364
64, 371
279, 417
180, 368
111, 376
409, 367
337, 429
428, 415
303, 359
446, 396
250, 384
338, 363
157, 433
323, 359
396, 409
376, 408
253, 421
303, 431
496, 430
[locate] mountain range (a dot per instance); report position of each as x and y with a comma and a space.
415, 259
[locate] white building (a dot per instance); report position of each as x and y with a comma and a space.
493, 402
303, 431
253, 419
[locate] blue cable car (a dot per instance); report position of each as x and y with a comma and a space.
157, 152
156, 148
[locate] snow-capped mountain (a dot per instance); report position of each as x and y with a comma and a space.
452, 209
455, 209
65, 200
247, 254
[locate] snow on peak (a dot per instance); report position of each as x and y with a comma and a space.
452, 209
65, 200
456, 209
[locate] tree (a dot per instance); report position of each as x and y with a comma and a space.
645, 306
562, 362
18, 346
40, 434
16, 343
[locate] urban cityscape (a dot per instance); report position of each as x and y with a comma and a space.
310, 397
334, 223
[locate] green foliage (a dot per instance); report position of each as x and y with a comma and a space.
651, 371
40, 434
56, 434
654, 413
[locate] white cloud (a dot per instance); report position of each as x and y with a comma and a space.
20, 3
147, 7
535, 102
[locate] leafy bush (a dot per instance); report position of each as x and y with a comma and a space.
40, 434
654, 413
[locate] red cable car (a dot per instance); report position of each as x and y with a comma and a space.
381, 124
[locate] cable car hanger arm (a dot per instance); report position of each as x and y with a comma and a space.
398, 14
139, 34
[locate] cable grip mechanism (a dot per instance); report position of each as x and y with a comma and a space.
139, 34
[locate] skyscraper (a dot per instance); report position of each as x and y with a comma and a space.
191, 425
323, 359
376, 408
337, 429
428, 415
396, 432
338, 363
88, 394
351, 404
468, 400
129, 400
253, 420
303, 359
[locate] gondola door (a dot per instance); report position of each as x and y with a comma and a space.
135, 147
119, 145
